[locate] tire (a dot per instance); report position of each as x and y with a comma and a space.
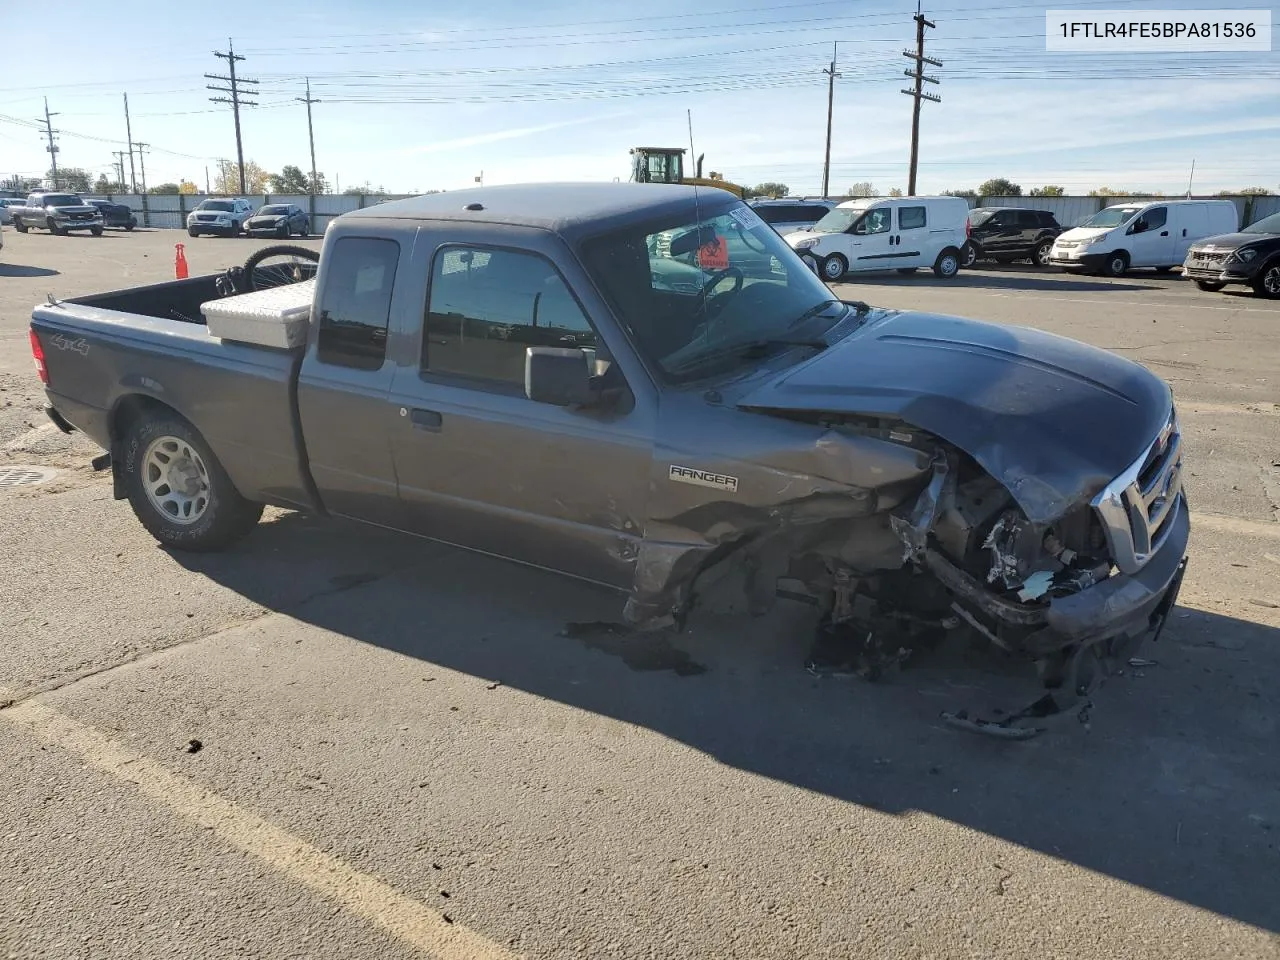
1116, 264
192, 232
19, 226
907, 270
1210, 286
948, 264
53, 227
133, 222
305, 231
833, 268
283, 232
968, 256
276, 249
1040, 255
96, 231
220, 515
1268, 282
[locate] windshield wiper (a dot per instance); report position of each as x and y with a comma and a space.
749, 350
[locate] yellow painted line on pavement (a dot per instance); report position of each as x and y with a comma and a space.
360, 893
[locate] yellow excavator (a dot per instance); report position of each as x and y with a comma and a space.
666, 165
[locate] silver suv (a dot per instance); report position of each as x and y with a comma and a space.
224, 217
56, 212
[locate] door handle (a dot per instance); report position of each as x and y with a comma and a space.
1165, 233
426, 420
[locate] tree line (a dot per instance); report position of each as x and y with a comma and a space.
995, 187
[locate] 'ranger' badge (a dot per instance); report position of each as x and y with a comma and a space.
702, 478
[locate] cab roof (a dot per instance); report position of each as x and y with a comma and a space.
558, 207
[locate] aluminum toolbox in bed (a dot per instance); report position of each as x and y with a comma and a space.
276, 317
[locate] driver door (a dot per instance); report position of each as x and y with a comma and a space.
869, 240
1150, 242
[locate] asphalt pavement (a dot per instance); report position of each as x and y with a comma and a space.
334, 741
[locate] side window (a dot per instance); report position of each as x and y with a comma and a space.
486, 306
911, 218
1028, 220
1156, 218
874, 221
355, 303
1047, 219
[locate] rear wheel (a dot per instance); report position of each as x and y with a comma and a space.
133, 222
1116, 264
1040, 255
948, 264
178, 489
1211, 286
834, 267
968, 256
1268, 282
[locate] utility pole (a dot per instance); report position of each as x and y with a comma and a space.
52, 147
1191, 179
141, 147
206, 179
128, 132
119, 155
918, 93
309, 100
234, 99
831, 97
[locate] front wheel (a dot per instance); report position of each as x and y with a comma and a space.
1210, 286
96, 231
192, 232
1268, 282
19, 226
968, 256
948, 264
53, 227
177, 488
1116, 264
1040, 255
834, 267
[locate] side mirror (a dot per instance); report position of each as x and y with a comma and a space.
558, 375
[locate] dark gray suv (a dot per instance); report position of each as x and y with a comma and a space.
1005, 234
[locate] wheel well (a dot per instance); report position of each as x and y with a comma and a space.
128, 410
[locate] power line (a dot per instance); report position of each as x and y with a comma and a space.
918, 94
235, 99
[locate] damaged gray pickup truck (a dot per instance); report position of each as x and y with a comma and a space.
642, 386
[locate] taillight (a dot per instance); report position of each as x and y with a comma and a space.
37, 354
968, 228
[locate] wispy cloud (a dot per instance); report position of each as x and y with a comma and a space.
498, 136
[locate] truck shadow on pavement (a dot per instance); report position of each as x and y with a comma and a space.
1042, 282
1173, 786
21, 270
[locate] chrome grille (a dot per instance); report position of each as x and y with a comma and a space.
1138, 507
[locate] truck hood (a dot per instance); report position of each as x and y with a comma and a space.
1052, 419
1232, 241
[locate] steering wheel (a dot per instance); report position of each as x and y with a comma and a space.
712, 306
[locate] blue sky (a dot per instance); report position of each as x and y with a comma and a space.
426, 95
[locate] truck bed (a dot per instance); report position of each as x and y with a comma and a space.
242, 398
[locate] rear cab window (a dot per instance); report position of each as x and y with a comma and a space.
355, 303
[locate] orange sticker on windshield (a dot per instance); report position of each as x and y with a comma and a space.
714, 255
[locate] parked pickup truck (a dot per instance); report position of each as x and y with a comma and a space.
58, 213
572, 376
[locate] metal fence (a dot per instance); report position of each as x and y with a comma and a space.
170, 210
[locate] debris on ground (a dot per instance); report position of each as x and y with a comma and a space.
193, 746
493, 686
1142, 662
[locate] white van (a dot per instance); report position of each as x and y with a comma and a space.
1142, 234
886, 233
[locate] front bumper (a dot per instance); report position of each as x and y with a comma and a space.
1218, 273
77, 224
210, 226
1120, 607
1081, 261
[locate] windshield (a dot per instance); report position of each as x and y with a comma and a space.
216, 205
274, 211
1269, 224
63, 200
978, 217
1111, 217
838, 220
695, 294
